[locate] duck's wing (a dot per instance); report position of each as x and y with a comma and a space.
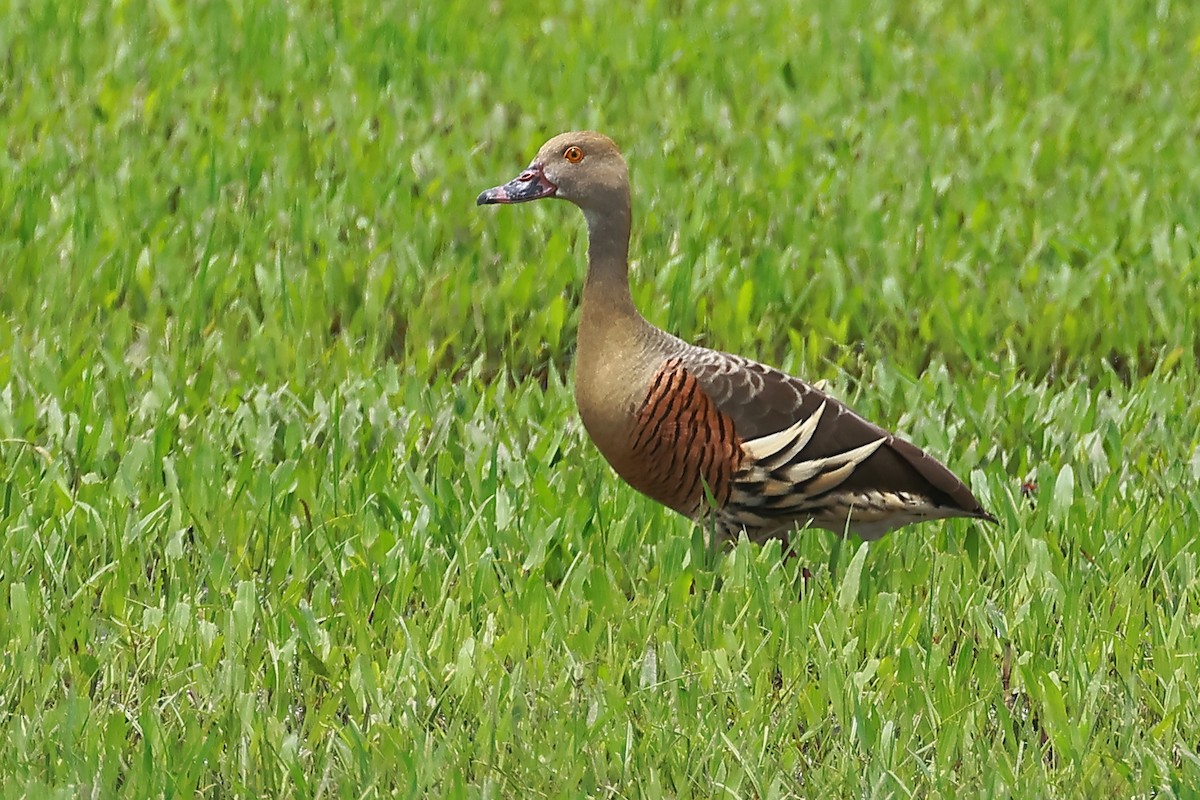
784, 422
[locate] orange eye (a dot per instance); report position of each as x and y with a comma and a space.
573, 154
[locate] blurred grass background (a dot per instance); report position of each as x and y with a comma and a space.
294, 499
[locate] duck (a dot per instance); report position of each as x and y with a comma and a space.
738, 446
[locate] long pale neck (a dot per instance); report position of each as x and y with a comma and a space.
618, 351
606, 298
612, 364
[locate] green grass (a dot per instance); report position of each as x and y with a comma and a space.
294, 500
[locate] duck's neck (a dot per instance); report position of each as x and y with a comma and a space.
611, 350
607, 302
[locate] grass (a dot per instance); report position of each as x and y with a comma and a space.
294, 500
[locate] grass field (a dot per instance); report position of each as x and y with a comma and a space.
294, 499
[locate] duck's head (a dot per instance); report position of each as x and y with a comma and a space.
583, 167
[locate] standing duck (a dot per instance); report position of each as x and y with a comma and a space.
737, 445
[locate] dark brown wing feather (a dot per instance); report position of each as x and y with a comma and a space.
762, 400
